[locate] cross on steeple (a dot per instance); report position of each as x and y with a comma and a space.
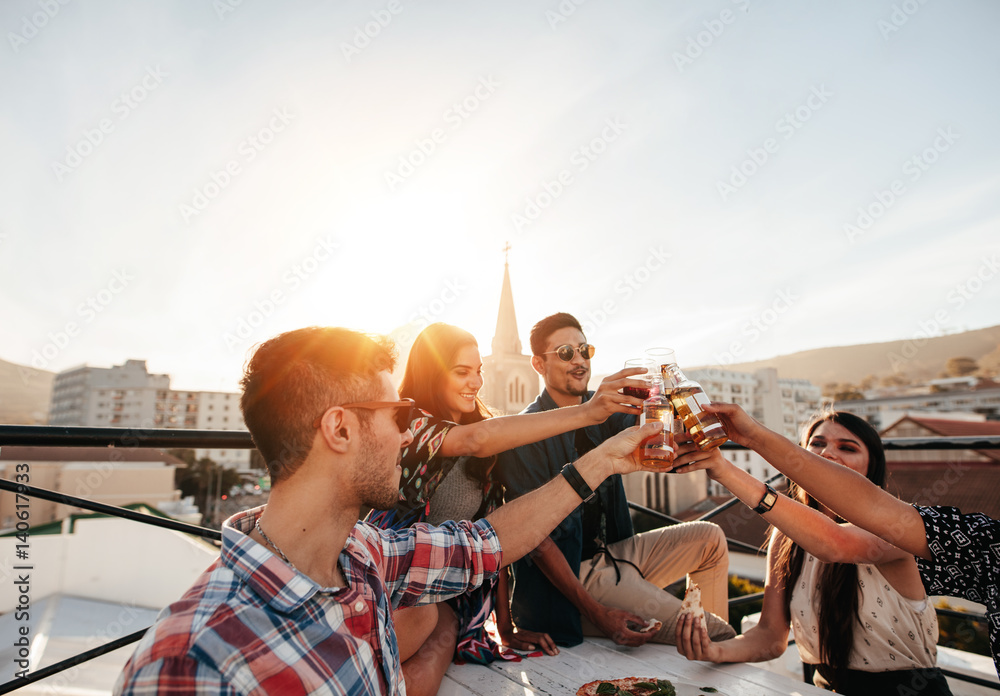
506, 250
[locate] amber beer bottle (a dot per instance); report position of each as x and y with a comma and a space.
658, 451
689, 400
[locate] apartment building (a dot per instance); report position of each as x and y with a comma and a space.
128, 396
783, 405
882, 412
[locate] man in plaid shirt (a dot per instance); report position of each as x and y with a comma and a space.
301, 598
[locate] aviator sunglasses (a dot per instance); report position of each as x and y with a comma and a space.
404, 412
566, 352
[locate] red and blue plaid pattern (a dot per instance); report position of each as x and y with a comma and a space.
251, 624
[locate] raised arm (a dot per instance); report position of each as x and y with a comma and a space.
765, 641
814, 531
495, 435
524, 523
846, 492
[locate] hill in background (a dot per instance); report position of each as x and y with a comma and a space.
24, 394
917, 359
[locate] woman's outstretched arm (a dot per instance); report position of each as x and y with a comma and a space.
495, 435
846, 492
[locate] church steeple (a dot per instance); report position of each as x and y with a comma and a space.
510, 382
505, 338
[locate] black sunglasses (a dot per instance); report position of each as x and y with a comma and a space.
404, 413
566, 352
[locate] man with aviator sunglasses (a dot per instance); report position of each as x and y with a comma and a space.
301, 598
593, 575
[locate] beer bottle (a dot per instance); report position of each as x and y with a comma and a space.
689, 400
658, 451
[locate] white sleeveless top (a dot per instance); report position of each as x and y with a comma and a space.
895, 632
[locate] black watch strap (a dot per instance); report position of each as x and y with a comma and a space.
768, 501
570, 473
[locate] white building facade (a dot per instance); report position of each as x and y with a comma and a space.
783, 405
882, 413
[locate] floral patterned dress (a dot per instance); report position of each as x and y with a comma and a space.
423, 472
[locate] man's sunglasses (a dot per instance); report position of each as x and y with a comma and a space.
566, 352
404, 414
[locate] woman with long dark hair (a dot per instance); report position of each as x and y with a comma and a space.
856, 603
447, 474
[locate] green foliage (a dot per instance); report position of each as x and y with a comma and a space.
199, 475
740, 587
968, 635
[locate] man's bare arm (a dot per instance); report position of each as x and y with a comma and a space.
523, 523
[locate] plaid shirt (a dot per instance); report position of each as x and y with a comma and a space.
251, 624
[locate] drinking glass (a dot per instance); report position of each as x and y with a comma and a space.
651, 371
661, 356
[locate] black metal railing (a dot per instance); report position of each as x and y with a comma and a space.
127, 438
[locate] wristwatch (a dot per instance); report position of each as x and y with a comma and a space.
768, 501
570, 473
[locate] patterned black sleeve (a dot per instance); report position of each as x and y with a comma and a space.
964, 549
965, 562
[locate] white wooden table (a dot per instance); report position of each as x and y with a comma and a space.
600, 658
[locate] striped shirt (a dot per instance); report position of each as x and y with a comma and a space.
252, 624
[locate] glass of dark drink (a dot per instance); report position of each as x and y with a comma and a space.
652, 369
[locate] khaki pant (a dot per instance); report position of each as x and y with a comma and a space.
695, 549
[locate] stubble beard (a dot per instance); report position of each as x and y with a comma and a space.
377, 484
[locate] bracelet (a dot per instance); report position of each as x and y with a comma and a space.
768, 501
570, 473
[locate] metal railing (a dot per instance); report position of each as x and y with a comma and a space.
127, 438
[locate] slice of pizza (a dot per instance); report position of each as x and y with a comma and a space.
652, 626
692, 604
629, 686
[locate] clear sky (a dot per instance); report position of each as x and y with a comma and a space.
733, 179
